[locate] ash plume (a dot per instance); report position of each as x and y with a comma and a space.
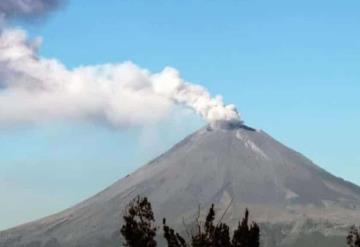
35, 89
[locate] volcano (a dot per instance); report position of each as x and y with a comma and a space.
295, 202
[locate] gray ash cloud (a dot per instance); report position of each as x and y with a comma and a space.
27, 9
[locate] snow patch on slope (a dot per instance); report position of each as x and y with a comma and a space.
250, 144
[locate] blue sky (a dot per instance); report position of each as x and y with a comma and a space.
291, 68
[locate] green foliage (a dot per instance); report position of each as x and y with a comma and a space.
139, 229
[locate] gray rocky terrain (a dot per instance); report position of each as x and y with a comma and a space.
296, 202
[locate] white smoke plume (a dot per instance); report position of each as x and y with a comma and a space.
34, 89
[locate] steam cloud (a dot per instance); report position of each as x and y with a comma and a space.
37, 89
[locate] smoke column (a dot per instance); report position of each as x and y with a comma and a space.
35, 89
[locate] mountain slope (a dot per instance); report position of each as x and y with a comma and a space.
292, 198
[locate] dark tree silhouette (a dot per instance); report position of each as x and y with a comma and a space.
254, 235
139, 229
211, 235
241, 234
353, 238
222, 236
173, 239
245, 235
204, 235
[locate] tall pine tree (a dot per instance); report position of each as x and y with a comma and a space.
139, 229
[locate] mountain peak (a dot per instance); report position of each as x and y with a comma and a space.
226, 164
226, 124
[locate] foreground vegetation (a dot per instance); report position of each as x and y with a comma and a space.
139, 230
353, 238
